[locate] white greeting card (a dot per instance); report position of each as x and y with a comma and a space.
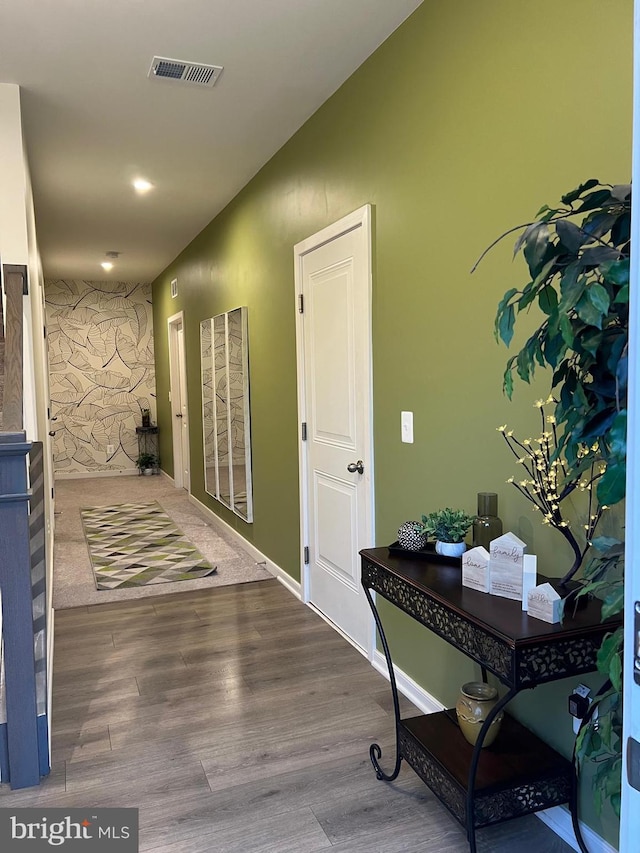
506, 561
475, 569
545, 603
529, 577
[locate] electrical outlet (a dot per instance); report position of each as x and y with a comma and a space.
579, 703
111, 449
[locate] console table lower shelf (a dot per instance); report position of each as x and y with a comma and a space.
517, 775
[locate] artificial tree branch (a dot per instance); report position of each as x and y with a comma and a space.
553, 219
543, 466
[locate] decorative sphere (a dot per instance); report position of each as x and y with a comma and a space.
410, 536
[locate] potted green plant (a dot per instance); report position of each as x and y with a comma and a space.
147, 462
578, 256
448, 527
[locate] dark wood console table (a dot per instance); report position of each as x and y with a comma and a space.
518, 774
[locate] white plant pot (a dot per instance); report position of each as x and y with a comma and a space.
147, 472
450, 549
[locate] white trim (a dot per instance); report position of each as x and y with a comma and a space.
285, 579
363, 652
177, 377
89, 475
51, 627
409, 688
360, 218
558, 819
630, 806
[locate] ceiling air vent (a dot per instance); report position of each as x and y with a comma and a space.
193, 73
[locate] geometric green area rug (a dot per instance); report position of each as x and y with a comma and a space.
137, 544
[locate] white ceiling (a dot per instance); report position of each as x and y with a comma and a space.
93, 120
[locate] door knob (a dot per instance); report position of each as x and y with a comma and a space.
178, 414
352, 467
51, 433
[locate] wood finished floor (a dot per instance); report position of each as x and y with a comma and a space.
237, 721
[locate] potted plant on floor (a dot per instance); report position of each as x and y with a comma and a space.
147, 463
448, 527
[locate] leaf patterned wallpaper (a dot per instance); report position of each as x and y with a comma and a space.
101, 372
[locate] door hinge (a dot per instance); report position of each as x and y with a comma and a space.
44, 331
52, 492
300, 303
304, 431
306, 555
636, 634
633, 763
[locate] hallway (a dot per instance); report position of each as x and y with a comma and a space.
73, 579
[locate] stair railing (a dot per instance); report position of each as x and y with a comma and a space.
19, 744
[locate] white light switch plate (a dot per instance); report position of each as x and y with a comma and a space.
406, 421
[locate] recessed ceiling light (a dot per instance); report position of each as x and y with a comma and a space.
106, 266
142, 186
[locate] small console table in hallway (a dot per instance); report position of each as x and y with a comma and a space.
518, 774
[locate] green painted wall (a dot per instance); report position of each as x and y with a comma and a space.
461, 125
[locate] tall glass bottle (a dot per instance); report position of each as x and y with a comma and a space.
487, 525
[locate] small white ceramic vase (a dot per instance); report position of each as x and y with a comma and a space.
450, 549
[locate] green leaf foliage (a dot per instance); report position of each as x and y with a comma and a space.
613, 603
570, 235
589, 313
536, 247
616, 272
447, 525
612, 485
572, 286
504, 329
573, 195
599, 298
506, 324
548, 300
578, 259
594, 199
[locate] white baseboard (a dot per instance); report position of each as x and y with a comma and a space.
409, 688
86, 475
558, 819
337, 629
285, 579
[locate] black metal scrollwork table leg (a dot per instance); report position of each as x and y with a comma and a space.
375, 752
473, 768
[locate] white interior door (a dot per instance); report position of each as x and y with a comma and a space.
184, 411
178, 399
333, 278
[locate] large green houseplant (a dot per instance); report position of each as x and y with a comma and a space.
577, 255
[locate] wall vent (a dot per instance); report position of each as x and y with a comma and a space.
192, 73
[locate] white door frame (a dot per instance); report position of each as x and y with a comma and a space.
360, 218
630, 811
176, 380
